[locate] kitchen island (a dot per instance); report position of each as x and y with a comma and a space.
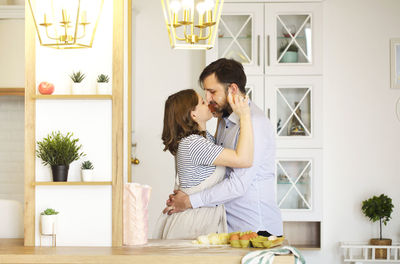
156, 251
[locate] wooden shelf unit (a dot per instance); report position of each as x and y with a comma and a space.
74, 97
73, 183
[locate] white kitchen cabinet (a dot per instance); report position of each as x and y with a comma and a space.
241, 36
280, 47
271, 38
297, 27
295, 110
298, 184
255, 90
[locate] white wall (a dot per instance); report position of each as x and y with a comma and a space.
12, 53
158, 72
362, 143
12, 148
361, 132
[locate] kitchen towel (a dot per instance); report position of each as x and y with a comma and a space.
267, 256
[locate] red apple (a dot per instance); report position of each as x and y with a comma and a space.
46, 88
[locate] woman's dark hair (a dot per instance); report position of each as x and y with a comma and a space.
226, 71
178, 122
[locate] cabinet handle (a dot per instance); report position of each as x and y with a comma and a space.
269, 113
258, 50
267, 47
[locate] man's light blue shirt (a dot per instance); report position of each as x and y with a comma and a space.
247, 193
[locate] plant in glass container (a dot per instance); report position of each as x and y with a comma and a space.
291, 54
58, 151
87, 171
379, 208
103, 85
48, 219
77, 84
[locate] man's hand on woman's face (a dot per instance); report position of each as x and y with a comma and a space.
177, 202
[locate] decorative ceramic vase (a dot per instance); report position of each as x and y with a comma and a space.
104, 88
60, 173
87, 175
290, 57
79, 88
48, 224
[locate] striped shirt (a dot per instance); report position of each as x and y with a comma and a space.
195, 158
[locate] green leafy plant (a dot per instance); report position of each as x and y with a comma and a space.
49, 211
77, 77
87, 165
59, 149
102, 78
292, 47
378, 208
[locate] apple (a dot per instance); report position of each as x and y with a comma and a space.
46, 88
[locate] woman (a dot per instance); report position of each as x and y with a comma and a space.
200, 163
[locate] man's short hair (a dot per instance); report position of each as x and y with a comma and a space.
226, 71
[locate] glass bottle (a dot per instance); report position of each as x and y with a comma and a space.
295, 128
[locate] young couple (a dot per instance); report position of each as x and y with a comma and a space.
224, 184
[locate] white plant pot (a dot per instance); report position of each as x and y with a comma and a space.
48, 224
87, 175
79, 88
104, 88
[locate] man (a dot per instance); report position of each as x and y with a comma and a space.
248, 194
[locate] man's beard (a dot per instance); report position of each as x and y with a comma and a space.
226, 110
223, 111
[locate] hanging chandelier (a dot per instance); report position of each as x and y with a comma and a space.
66, 24
190, 29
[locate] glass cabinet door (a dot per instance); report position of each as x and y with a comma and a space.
298, 179
294, 184
295, 110
240, 34
293, 38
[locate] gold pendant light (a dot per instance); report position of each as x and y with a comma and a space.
189, 28
66, 24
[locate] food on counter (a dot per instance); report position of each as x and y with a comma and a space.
213, 239
266, 242
240, 240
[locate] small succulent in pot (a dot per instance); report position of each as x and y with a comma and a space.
87, 171
103, 85
77, 77
49, 211
87, 165
48, 219
102, 78
78, 87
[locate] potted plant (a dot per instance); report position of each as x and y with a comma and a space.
77, 85
103, 87
291, 55
87, 171
58, 151
379, 208
48, 219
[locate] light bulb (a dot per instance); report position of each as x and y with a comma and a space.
209, 4
201, 8
175, 6
186, 4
